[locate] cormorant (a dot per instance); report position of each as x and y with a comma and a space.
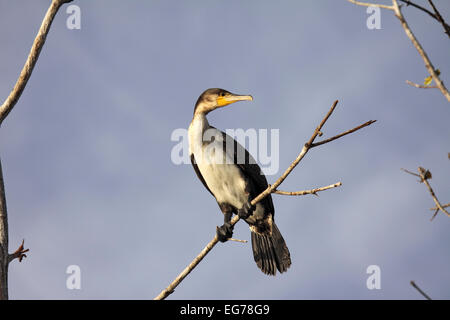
234, 178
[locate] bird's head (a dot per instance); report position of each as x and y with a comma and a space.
215, 98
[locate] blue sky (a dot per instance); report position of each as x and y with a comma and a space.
86, 151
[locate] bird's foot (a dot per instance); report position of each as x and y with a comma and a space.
19, 253
246, 211
224, 232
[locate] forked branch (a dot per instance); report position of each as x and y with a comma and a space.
428, 64
436, 15
440, 19
424, 176
270, 189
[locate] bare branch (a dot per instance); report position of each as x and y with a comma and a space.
237, 240
368, 123
421, 86
443, 206
3, 241
424, 176
270, 189
420, 290
440, 19
304, 192
434, 214
5, 109
410, 3
411, 173
437, 16
423, 54
396, 8
366, 4
33, 56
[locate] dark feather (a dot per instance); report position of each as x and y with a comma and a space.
270, 252
252, 172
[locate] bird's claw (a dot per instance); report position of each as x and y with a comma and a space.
19, 253
224, 232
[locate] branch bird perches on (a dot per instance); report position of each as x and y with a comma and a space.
270, 189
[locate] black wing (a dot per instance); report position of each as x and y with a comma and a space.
199, 174
251, 170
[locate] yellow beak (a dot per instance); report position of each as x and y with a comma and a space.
231, 98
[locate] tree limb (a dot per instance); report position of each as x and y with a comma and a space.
5, 109
368, 123
424, 175
270, 189
436, 210
3, 241
440, 19
304, 192
443, 206
367, 4
436, 15
396, 8
423, 54
420, 290
410, 3
421, 86
33, 56
433, 15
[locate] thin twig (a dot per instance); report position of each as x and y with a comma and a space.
366, 4
437, 16
411, 173
304, 192
420, 8
433, 195
170, 289
424, 175
443, 206
431, 70
5, 109
410, 3
440, 19
33, 56
237, 240
368, 123
434, 214
3, 240
421, 86
420, 290
423, 54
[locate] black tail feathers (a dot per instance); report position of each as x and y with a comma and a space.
270, 251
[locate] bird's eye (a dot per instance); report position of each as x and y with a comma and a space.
222, 94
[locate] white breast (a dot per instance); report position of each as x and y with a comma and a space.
223, 178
